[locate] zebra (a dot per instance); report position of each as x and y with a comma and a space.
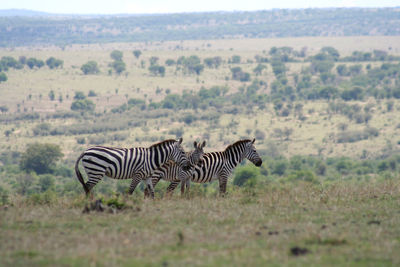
171, 169
216, 165
136, 163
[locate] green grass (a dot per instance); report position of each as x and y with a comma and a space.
351, 224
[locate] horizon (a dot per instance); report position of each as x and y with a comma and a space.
150, 7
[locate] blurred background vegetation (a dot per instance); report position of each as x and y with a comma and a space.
322, 109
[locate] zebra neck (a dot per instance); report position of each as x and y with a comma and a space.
235, 155
190, 157
159, 156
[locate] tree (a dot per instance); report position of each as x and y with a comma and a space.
83, 105
170, 62
342, 70
116, 55
278, 68
90, 67
213, 62
3, 109
321, 66
235, 59
3, 77
137, 53
191, 64
52, 95
40, 158
119, 66
79, 95
260, 67
355, 93
54, 63
332, 52
153, 60
157, 70
33, 62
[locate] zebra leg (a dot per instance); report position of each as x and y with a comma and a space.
154, 181
149, 187
135, 181
188, 186
147, 191
93, 180
183, 184
171, 188
222, 185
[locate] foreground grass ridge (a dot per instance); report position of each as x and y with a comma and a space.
301, 223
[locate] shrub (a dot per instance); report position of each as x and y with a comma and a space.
83, 105
116, 55
33, 62
279, 167
40, 158
54, 63
245, 174
42, 129
118, 66
303, 175
90, 67
3, 77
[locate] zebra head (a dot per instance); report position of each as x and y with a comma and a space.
179, 156
196, 156
251, 154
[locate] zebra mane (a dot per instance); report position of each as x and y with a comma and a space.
163, 142
237, 143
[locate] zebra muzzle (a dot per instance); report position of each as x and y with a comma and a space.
258, 163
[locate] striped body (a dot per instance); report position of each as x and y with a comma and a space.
171, 169
216, 165
128, 163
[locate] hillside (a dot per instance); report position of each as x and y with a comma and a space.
32, 28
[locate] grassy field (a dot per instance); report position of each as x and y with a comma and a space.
297, 224
346, 217
27, 91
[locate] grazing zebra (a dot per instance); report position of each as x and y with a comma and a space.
136, 163
171, 169
216, 165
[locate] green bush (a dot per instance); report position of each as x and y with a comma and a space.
83, 105
243, 174
90, 67
40, 158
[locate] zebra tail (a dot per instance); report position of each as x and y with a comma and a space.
79, 175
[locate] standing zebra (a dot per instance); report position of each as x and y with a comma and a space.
216, 165
171, 169
136, 163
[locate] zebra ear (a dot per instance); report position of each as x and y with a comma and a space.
180, 141
195, 144
204, 144
253, 141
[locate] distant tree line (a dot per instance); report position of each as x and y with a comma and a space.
22, 31
7, 62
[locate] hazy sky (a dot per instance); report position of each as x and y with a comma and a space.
178, 6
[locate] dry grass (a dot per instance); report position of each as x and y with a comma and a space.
27, 90
340, 224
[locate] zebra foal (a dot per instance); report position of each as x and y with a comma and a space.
216, 165
171, 169
136, 163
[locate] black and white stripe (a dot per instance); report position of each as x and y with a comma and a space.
216, 165
171, 169
136, 163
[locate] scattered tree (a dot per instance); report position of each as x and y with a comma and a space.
40, 158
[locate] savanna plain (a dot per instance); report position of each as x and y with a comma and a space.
324, 112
